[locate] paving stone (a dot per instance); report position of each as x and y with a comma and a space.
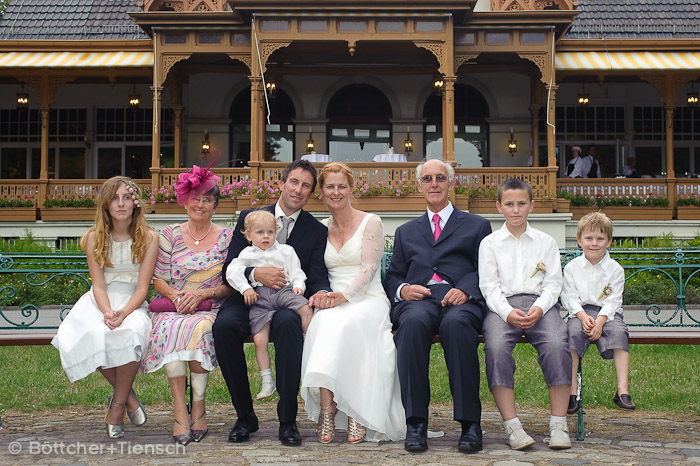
572, 462
638, 443
689, 452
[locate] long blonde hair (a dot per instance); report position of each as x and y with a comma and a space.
138, 230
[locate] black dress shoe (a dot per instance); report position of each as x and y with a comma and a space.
289, 434
574, 405
471, 439
243, 428
623, 401
416, 436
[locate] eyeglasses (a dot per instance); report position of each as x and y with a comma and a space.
428, 179
204, 200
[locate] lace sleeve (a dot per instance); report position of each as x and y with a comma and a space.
371, 258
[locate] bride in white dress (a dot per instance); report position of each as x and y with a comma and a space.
349, 376
108, 327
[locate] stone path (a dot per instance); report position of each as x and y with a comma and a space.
77, 437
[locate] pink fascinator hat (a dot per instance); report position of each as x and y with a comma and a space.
195, 182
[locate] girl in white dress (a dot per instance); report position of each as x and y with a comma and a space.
108, 328
349, 375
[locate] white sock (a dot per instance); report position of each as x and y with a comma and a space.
266, 376
515, 422
556, 420
198, 381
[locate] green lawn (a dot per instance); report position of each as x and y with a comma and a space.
662, 378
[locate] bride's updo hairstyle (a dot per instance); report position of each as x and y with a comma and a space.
336, 167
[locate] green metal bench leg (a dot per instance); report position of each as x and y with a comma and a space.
580, 431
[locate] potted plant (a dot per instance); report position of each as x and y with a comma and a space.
15, 210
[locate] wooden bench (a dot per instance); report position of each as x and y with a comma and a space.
54, 265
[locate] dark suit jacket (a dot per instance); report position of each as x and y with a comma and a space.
454, 256
308, 238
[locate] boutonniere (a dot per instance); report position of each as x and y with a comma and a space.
606, 292
539, 268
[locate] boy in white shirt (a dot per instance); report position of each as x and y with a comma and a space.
261, 229
520, 277
593, 285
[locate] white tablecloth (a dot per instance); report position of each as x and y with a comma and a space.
389, 158
316, 157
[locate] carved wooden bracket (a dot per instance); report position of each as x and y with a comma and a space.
267, 49
33, 81
55, 82
461, 59
167, 61
244, 58
541, 62
437, 49
659, 82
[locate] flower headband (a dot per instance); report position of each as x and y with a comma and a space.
134, 191
195, 182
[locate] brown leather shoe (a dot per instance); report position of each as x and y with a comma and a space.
624, 401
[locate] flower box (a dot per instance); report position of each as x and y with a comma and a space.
462, 201
578, 211
561, 205
227, 206
168, 208
483, 206
63, 214
638, 213
17, 214
688, 212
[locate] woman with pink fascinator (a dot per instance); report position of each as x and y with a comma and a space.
190, 288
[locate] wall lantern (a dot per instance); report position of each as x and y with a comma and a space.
22, 99
583, 97
693, 96
205, 142
134, 99
408, 144
438, 84
271, 88
512, 144
310, 145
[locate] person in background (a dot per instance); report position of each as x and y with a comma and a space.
592, 163
574, 169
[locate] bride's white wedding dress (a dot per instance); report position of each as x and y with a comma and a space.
349, 349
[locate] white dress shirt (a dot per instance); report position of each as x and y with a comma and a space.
507, 267
577, 172
279, 213
277, 255
444, 217
585, 283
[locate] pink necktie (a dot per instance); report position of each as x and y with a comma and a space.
436, 235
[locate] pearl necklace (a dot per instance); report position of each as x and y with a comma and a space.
196, 241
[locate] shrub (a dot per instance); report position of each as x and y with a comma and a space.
73, 202
16, 203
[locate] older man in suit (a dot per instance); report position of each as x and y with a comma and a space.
308, 237
434, 286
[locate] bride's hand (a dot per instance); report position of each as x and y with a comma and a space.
336, 298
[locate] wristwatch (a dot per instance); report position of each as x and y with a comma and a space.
213, 292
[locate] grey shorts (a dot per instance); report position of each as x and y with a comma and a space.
615, 334
548, 337
270, 301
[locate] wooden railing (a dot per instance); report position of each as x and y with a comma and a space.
640, 188
19, 190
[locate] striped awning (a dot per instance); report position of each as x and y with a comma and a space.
75, 59
577, 61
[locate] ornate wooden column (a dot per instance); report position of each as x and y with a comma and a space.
257, 126
155, 151
178, 109
535, 134
670, 162
448, 119
552, 168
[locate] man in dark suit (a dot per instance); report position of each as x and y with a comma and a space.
433, 284
308, 237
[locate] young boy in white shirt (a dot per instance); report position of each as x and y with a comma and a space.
260, 229
593, 285
520, 277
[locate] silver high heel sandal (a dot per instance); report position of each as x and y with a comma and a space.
198, 434
114, 430
138, 417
